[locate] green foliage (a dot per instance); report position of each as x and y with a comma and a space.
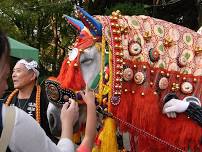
39, 23
128, 9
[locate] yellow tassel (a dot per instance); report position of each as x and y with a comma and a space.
101, 71
95, 149
108, 136
110, 79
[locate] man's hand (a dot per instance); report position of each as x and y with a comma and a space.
175, 105
88, 96
171, 114
70, 113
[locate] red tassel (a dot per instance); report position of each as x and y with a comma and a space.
145, 115
63, 70
123, 110
70, 75
180, 132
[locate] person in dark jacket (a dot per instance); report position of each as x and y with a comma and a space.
28, 95
190, 105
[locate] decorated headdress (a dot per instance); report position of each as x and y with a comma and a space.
90, 22
70, 77
85, 38
88, 36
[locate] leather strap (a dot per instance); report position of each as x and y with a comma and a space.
7, 128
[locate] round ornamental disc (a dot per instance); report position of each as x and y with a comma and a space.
159, 30
73, 54
154, 55
53, 91
134, 48
186, 57
163, 83
174, 34
115, 100
188, 38
127, 74
182, 61
139, 77
186, 88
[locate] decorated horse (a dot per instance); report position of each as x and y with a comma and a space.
136, 64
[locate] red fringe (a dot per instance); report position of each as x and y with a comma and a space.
145, 107
180, 132
145, 115
144, 112
70, 76
124, 110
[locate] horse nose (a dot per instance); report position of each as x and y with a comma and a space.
52, 121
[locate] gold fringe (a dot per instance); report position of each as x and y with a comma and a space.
101, 71
108, 136
110, 79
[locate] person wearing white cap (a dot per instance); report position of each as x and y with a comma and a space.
28, 95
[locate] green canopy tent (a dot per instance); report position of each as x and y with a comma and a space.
20, 50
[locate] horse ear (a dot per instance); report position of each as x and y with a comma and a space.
74, 22
85, 38
90, 22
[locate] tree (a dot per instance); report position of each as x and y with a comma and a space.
39, 23
182, 12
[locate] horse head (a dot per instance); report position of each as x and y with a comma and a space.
81, 68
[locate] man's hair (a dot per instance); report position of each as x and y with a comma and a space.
4, 46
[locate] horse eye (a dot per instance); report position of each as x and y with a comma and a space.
87, 61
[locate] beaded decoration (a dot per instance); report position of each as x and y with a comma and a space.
56, 94
38, 91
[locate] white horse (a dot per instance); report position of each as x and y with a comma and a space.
150, 60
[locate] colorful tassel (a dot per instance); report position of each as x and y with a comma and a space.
76, 138
108, 136
70, 75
